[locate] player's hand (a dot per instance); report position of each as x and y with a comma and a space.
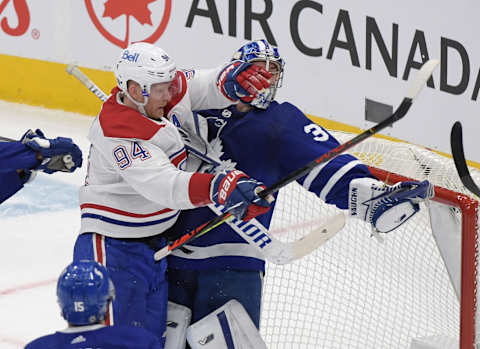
238, 193
29, 135
240, 80
58, 154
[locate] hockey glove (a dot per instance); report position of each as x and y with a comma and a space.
29, 135
238, 193
59, 154
386, 207
240, 80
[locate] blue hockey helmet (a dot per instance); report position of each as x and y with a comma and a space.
84, 290
262, 51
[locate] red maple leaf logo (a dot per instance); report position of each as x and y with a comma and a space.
137, 9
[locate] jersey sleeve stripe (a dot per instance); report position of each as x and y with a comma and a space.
123, 213
171, 156
312, 175
125, 223
199, 189
336, 177
179, 158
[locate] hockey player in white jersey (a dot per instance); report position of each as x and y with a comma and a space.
135, 185
269, 140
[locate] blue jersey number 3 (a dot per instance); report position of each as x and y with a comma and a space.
320, 135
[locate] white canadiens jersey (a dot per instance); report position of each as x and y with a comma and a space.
135, 185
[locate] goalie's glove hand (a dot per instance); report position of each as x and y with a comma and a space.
238, 193
387, 207
243, 81
58, 154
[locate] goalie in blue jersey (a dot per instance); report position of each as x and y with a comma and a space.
85, 292
268, 140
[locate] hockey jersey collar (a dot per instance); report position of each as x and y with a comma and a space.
120, 121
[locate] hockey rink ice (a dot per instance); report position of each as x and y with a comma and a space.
38, 227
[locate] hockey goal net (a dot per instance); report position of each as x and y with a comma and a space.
416, 289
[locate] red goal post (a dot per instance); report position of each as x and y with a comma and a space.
469, 209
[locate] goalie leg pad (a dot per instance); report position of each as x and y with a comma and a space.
386, 207
227, 327
178, 319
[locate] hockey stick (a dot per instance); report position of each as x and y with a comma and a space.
417, 85
85, 80
6, 139
456, 143
274, 250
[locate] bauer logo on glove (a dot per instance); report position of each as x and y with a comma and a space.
239, 194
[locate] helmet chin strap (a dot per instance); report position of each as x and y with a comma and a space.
140, 106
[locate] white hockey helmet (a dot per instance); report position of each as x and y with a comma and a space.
145, 64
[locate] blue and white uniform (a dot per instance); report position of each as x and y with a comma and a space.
268, 145
14, 156
98, 336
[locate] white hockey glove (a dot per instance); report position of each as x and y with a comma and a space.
386, 207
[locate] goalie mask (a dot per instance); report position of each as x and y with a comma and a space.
84, 290
146, 64
262, 51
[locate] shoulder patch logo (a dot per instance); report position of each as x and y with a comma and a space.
79, 339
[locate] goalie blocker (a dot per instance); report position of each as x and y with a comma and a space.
386, 207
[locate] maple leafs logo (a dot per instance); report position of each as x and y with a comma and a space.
137, 9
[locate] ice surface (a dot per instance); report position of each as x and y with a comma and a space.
38, 227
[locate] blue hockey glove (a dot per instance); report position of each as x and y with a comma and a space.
59, 154
241, 80
387, 207
238, 193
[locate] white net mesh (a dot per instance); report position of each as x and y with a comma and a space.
355, 292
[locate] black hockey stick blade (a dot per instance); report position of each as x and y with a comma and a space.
456, 143
420, 80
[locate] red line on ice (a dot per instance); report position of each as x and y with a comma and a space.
13, 341
27, 286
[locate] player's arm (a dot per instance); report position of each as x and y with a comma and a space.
154, 175
347, 183
203, 90
220, 87
17, 156
36, 152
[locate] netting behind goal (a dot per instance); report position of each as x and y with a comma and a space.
357, 292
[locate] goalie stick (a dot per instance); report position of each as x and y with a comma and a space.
422, 76
456, 143
274, 250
